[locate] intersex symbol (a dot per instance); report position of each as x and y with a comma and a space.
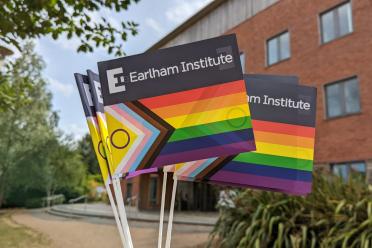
100, 149
118, 133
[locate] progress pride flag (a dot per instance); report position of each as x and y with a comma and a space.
176, 105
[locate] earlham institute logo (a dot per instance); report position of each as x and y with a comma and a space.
118, 81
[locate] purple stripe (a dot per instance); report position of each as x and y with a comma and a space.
208, 141
210, 152
248, 180
292, 192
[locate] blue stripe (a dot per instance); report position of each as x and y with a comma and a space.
268, 171
202, 167
208, 141
155, 133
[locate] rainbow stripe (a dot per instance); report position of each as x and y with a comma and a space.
179, 127
208, 121
283, 161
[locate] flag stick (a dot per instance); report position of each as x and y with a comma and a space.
115, 211
170, 219
122, 213
160, 238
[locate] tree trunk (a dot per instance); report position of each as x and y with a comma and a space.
2, 190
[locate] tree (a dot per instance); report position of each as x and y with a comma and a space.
20, 20
63, 168
33, 153
85, 148
24, 127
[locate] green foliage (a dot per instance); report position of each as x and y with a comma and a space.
34, 156
335, 214
20, 20
33, 203
20, 196
85, 148
18, 79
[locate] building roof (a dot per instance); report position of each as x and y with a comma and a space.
188, 23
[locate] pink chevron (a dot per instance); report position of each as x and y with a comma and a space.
139, 126
191, 168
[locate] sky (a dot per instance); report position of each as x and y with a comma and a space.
155, 19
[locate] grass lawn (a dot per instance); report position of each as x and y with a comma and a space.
13, 235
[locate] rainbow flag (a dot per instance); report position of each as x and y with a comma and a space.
176, 105
283, 120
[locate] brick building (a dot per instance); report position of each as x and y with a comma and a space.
327, 43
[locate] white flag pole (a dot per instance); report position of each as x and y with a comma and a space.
122, 213
115, 211
161, 221
171, 212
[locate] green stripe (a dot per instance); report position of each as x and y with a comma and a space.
277, 161
211, 128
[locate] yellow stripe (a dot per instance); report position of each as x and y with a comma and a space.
209, 116
286, 151
117, 155
105, 140
179, 166
96, 138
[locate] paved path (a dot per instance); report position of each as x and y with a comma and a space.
95, 232
104, 210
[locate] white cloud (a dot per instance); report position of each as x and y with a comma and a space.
68, 44
154, 25
182, 9
62, 88
76, 130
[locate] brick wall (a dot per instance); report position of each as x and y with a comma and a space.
337, 140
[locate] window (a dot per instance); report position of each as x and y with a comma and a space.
345, 170
336, 22
342, 98
278, 48
153, 189
242, 61
129, 190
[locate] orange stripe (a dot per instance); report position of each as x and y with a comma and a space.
201, 106
274, 127
194, 94
284, 139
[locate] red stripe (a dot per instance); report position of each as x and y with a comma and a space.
282, 128
194, 94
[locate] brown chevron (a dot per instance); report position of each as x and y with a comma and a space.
165, 129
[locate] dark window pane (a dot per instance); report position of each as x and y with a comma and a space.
358, 167
358, 170
345, 20
272, 51
333, 95
129, 190
341, 170
153, 189
328, 26
284, 46
352, 96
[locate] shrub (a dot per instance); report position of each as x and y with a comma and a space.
335, 214
34, 203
